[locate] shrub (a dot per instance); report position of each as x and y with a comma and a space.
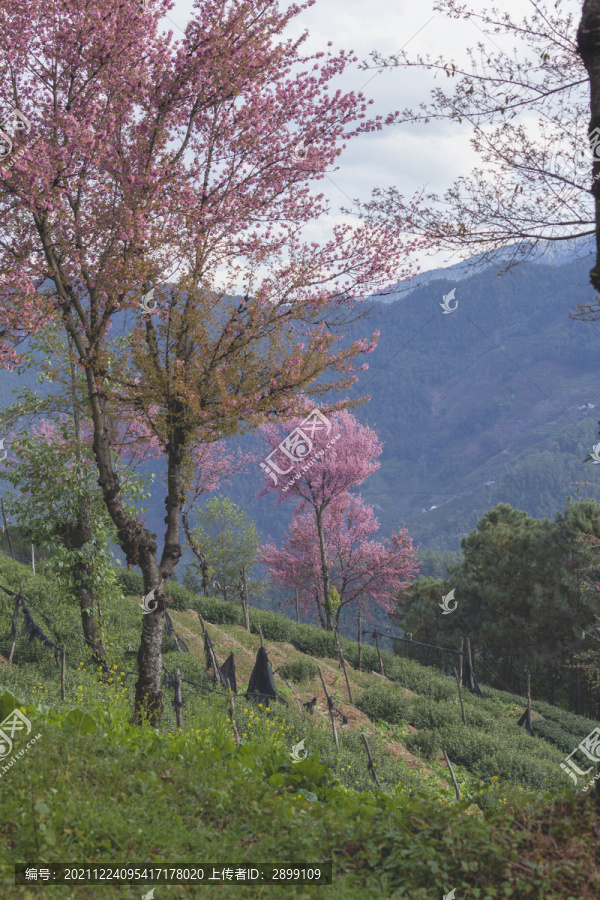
425, 713
131, 583
299, 671
556, 735
513, 756
577, 725
182, 598
425, 744
381, 701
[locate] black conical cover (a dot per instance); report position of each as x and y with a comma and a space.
261, 687
228, 671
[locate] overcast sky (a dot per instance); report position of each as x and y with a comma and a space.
406, 156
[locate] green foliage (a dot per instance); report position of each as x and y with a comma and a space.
554, 734
132, 585
521, 594
386, 703
131, 582
309, 639
513, 756
228, 540
579, 726
200, 787
333, 601
384, 841
299, 671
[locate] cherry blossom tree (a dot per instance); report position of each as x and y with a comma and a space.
132, 157
361, 570
324, 457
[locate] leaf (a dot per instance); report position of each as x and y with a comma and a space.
80, 721
308, 795
8, 703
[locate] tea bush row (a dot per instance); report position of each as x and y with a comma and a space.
507, 757
299, 671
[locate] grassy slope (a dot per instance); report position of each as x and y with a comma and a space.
133, 795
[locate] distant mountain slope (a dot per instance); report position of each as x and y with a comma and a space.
497, 401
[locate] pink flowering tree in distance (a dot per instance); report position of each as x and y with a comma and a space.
133, 157
361, 570
317, 459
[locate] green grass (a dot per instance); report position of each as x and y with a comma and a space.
99, 790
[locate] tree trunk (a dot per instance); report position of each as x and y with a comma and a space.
324, 568
88, 621
319, 609
197, 553
244, 597
138, 543
588, 45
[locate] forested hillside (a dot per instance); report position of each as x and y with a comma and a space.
496, 403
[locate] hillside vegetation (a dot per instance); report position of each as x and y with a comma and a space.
94, 788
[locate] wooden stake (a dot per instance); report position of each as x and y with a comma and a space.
16, 622
178, 702
213, 659
297, 613
33, 558
62, 672
376, 636
330, 705
462, 702
10, 546
471, 670
343, 663
371, 763
244, 596
456, 788
359, 644
232, 714
460, 661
